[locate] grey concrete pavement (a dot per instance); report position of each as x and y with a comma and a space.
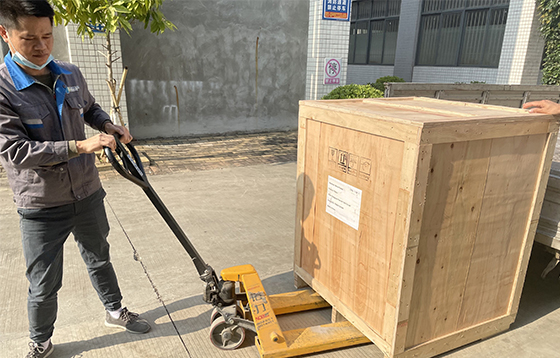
233, 216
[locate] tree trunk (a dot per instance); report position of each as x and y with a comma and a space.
115, 110
109, 64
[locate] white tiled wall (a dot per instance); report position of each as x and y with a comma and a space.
533, 57
520, 46
429, 74
327, 38
86, 54
362, 74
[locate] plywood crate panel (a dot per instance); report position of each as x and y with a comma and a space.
548, 230
416, 216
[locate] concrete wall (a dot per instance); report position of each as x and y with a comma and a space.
203, 78
60, 50
4, 49
407, 41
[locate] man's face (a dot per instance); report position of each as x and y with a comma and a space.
33, 38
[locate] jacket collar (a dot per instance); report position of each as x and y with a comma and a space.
21, 79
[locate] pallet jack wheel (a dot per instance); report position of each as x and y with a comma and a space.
216, 314
225, 336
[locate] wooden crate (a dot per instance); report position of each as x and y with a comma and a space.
416, 216
548, 230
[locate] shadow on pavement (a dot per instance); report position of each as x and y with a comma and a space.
200, 322
192, 324
540, 296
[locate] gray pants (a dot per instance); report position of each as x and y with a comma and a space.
44, 232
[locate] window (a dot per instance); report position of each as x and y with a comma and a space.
373, 31
462, 32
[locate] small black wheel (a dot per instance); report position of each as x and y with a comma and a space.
225, 336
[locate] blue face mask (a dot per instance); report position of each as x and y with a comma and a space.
20, 59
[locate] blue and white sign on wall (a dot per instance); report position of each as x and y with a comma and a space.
336, 10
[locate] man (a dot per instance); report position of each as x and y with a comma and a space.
545, 106
50, 168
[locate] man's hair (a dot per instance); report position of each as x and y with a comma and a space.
12, 10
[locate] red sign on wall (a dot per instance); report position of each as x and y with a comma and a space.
333, 67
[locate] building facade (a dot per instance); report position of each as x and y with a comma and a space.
243, 65
431, 41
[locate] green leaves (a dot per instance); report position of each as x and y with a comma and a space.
550, 28
379, 83
111, 14
354, 91
120, 9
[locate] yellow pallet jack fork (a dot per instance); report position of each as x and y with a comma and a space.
238, 297
271, 341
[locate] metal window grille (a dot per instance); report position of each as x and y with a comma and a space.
373, 31
462, 32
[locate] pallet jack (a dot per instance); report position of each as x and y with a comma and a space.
239, 300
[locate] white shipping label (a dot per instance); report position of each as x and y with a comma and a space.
343, 202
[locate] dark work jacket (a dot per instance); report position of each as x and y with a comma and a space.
38, 129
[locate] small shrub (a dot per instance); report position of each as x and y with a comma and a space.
379, 83
354, 91
550, 30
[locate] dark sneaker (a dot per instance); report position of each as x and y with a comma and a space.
128, 321
37, 351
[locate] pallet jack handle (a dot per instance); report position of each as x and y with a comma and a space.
228, 331
133, 170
